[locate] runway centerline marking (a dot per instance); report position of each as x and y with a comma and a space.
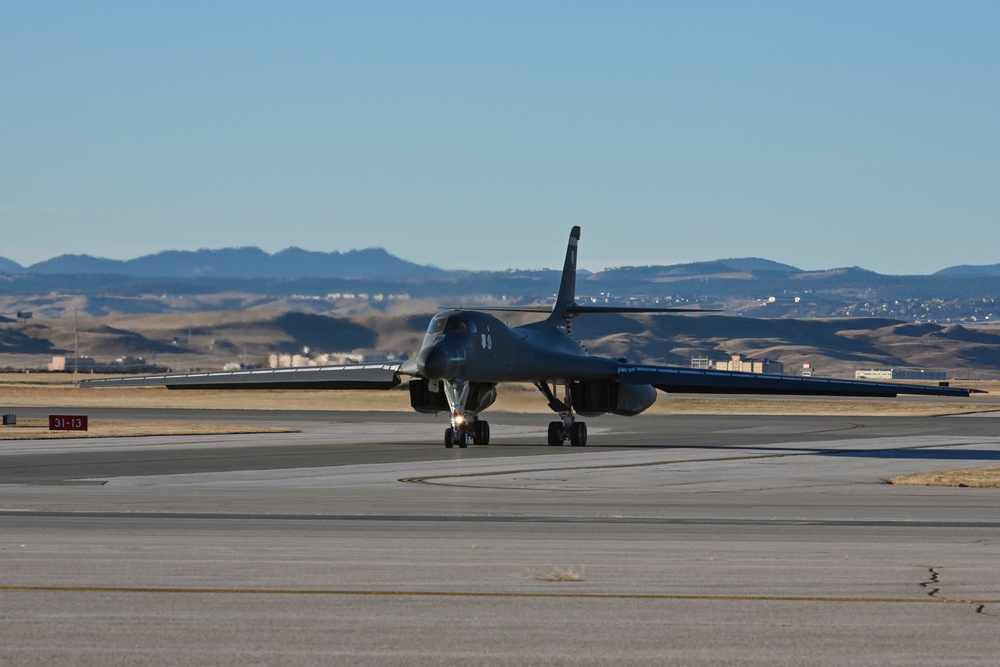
482, 594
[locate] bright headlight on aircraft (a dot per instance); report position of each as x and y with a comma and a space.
459, 419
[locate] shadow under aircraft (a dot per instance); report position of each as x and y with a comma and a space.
465, 354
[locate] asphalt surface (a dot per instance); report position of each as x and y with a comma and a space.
688, 540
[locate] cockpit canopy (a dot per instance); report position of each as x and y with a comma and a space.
452, 321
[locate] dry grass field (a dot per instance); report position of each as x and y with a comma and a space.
976, 478
37, 429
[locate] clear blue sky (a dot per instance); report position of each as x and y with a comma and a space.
474, 134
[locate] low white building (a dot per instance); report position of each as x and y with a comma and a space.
900, 374
874, 374
738, 362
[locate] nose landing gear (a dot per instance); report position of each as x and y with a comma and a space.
479, 433
456, 436
464, 424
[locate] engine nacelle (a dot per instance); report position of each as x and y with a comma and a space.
596, 398
428, 396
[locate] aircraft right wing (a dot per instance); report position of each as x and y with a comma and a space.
696, 380
351, 376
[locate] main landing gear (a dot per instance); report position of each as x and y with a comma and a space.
568, 428
576, 433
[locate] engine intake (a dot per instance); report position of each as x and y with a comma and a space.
428, 397
596, 398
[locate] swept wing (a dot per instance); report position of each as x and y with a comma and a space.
696, 380
350, 376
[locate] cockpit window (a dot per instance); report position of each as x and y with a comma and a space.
455, 325
437, 325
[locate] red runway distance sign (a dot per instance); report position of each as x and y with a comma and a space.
67, 422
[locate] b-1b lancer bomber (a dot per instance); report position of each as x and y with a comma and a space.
465, 354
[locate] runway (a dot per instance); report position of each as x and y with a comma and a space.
360, 539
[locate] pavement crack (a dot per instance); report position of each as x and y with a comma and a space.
931, 585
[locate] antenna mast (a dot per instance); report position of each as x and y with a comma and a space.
76, 336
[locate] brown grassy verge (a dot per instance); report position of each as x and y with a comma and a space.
977, 478
37, 429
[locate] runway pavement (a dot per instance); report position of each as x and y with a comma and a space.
744, 540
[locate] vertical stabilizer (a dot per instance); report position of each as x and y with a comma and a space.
566, 299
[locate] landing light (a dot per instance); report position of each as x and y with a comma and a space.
459, 419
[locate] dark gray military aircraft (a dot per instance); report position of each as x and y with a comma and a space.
466, 353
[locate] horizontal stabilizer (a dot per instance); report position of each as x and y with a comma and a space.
580, 310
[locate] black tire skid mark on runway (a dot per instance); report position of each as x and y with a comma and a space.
437, 480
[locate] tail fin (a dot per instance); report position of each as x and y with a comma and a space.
566, 308
566, 299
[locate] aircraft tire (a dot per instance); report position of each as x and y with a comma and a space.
449, 440
463, 438
578, 434
481, 433
555, 434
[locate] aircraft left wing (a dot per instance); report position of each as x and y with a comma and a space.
696, 380
351, 376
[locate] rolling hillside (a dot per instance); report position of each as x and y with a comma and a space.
835, 347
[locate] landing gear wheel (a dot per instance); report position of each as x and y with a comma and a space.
555, 434
481, 433
449, 441
578, 434
463, 438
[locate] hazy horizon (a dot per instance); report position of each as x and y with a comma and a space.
582, 266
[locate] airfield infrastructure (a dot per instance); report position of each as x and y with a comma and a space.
743, 539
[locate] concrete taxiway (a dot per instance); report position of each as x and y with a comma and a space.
668, 540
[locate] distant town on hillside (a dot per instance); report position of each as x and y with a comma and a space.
173, 280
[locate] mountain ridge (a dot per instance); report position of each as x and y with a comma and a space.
241, 262
249, 262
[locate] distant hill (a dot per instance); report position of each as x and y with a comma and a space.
250, 263
970, 271
245, 262
318, 282
7, 266
757, 264
738, 268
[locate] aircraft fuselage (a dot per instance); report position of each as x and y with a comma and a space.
478, 347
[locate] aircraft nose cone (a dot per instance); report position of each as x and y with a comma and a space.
434, 362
